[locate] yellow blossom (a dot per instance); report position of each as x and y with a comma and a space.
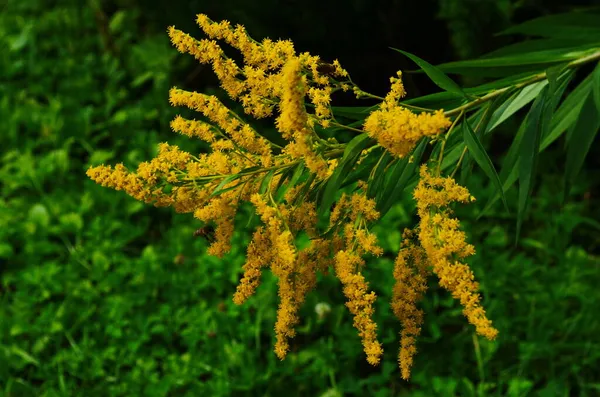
444, 244
242, 134
397, 91
221, 210
398, 129
293, 118
360, 302
208, 51
410, 273
243, 166
259, 256
194, 129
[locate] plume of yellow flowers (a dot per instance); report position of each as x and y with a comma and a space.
351, 216
411, 269
445, 245
283, 183
397, 128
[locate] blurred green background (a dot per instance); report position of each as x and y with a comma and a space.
103, 296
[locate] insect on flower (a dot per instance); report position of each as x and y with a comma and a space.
207, 232
326, 69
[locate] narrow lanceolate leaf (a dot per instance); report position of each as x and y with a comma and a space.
479, 154
510, 172
552, 75
265, 185
351, 154
435, 74
378, 175
573, 25
583, 135
528, 156
527, 59
538, 46
516, 103
400, 176
596, 85
221, 186
567, 112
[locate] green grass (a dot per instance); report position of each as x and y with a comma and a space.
103, 296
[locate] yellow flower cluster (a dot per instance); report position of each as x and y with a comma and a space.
283, 182
397, 128
240, 134
436, 244
410, 272
352, 214
274, 245
445, 246
273, 74
293, 120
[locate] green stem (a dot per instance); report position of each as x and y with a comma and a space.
346, 127
530, 80
441, 156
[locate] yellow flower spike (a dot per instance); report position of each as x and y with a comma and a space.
293, 118
397, 91
194, 129
410, 273
259, 256
443, 241
321, 98
360, 302
284, 265
120, 178
267, 55
361, 205
398, 129
209, 52
221, 210
241, 134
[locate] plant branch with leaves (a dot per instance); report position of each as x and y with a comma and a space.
314, 180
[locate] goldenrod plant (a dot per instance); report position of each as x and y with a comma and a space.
320, 186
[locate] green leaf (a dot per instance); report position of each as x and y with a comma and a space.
509, 173
286, 182
478, 152
568, 112
582, 26
528, 157
536, 45
531, 58
378, 175
266, 181
219, 189
351, 154
400, 175
552, 75
596, 85
583, 135
439, 100
516, 103
435, 74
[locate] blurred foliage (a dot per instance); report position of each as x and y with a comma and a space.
101, 296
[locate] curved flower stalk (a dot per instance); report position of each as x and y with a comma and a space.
288, 184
